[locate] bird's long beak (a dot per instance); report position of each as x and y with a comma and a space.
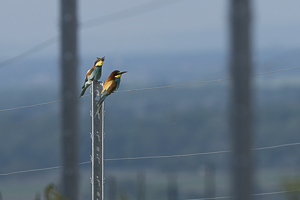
103, 58
120, 74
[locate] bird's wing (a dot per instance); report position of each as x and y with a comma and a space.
108, 87
89, 73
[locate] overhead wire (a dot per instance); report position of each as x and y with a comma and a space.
161, 87
203, 153
30, 51
276, 71
154, 157
158, 87
128, 13
257, 194
212, 198
167, 156
29, 106
177, 85
109, 18
40, 169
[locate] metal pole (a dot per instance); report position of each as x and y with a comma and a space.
97, 145
69, 99
241, 101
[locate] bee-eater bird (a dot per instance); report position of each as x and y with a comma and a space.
93, 74
110, 86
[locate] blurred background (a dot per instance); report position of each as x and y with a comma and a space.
160, 43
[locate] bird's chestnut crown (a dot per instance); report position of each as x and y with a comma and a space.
99, 61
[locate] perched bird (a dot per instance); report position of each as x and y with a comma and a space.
93, 74
110, 86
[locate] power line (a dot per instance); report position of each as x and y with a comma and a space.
158, 87
109, 18
276, 71
30, 51
170, 156
30, 106
161, 87
212, 198
258, 194
272, 193
36, 170
128, 13
276, 146
34, 105
155, 157
178, 85
198, 154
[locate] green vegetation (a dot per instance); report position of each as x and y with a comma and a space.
50, 193
292, 188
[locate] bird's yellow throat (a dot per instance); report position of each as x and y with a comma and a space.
100, 63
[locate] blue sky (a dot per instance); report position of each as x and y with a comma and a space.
183, 26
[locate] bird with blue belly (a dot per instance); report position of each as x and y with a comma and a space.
93, 74
110, 86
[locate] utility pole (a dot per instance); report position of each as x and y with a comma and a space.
97, 144
69, 99
241, 100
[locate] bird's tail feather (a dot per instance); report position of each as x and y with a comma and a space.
98, 109
100, 104
82, 92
